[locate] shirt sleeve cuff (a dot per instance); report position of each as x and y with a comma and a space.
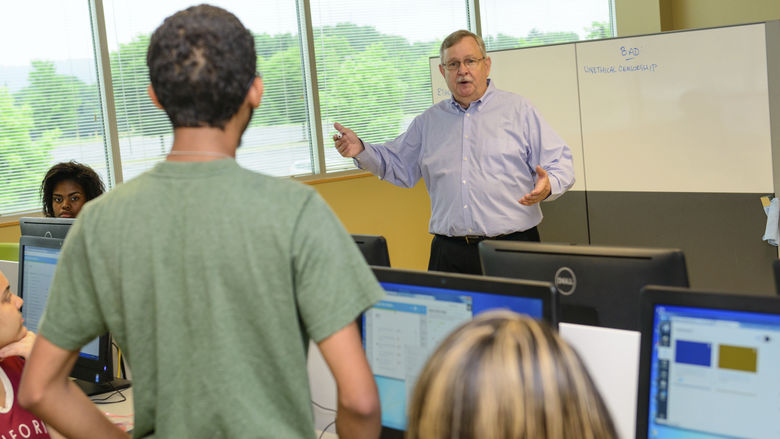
366, 159
555, 188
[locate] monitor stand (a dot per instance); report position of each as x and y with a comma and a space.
581, 315
91, 388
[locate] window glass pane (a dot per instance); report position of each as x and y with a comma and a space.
278, 140
510, 23
373, 72
49, 100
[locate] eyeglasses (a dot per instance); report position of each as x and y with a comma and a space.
470, 63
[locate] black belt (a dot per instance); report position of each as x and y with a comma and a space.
475, 239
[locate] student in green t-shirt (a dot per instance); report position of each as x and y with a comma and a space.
212, 278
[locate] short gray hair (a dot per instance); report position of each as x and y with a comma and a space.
455, 37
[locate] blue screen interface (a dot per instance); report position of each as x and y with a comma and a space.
401, 331
38, 265
714, 374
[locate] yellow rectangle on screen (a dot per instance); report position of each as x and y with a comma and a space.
737, 358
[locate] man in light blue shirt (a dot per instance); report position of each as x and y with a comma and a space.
486, 155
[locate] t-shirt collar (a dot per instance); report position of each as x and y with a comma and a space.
190, 169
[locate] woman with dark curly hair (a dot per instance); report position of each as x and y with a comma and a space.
66, 187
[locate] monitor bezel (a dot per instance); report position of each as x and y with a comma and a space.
466, 282
374, 249
653, 295
474, 283
46, 227
489, 248
86, 369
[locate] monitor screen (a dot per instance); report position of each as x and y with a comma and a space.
597, 285
45, 227
38, 261
402, 330
374, 249
709, 365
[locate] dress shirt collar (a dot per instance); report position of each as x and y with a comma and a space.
479, 102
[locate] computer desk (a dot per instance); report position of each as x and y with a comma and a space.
119, 411
610, 355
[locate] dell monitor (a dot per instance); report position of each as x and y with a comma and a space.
374, 249
709, 365
94, 368
419, 309
45, 227
597, 285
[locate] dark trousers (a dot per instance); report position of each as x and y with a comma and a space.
455, 255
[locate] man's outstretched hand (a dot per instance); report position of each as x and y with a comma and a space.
541, 191
347, 142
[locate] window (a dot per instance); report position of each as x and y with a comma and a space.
278, 140
372, 64
507, 24
49, 100
363, 64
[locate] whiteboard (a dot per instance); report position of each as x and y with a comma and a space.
546, 76
677, 112
671, 112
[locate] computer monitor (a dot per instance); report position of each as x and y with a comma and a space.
597, 285
45, 227
420, 308
94, 369
709, 365
374, 249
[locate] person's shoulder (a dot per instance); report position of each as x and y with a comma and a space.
435, 112
280, 187
443, 105
509, 97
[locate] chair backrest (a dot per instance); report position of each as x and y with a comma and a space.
9, 251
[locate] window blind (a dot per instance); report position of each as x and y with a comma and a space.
372, 64
277, 141
49, 100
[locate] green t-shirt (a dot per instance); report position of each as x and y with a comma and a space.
212, 279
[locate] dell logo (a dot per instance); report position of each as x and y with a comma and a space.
565, 281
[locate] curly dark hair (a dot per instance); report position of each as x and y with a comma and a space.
201, 62
88, 179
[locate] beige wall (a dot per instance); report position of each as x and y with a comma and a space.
696, 14
369, 206
9, 232
637, 17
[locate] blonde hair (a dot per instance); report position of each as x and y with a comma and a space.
503, 375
